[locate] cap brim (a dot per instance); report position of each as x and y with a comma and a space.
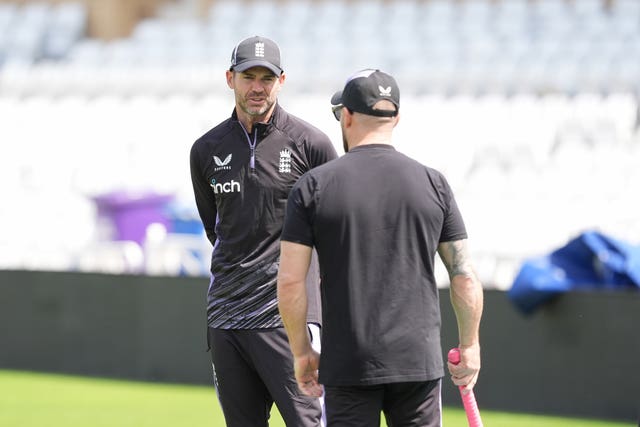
257, 63
336, 99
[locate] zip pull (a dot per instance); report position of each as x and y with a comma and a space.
252, 145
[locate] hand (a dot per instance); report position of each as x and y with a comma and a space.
306, 371
465, 373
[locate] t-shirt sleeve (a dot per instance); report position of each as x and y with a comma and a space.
298, 226
321, 150
453, 227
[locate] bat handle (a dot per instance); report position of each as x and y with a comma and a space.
471, 408
468, 399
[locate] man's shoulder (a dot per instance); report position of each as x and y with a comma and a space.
215, 134
299, 129
435, 173
419, 166
328, 169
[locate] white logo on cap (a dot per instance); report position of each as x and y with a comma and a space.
384, 91
259, 52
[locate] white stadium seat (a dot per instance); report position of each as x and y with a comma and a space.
525, 105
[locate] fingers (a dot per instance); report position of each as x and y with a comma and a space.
465, 373
466, 384
467, 381
308, 384
311, 388
461, 372
306, 373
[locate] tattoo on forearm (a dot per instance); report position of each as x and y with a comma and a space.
455, 258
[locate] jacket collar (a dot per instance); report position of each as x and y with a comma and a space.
276, 117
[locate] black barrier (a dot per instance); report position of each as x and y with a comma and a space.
577, 356
137, 327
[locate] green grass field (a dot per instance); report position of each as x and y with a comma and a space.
36, 400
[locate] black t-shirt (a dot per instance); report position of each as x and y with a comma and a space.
241, 183
376, 218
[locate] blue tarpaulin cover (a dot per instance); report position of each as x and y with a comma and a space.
592, 260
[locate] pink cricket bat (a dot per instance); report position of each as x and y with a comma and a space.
469, 399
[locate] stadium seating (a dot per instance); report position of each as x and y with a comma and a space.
530, 107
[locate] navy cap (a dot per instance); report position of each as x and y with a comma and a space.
256, 52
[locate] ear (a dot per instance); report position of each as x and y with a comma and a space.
282, 78
347, 117
230, 79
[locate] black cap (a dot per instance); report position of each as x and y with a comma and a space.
256, 52
364, 89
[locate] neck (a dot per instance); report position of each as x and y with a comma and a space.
249, 120
371, 138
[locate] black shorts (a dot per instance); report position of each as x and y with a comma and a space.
411, 404
252, 370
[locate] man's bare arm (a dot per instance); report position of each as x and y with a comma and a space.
292, 293
292, 303
467, 301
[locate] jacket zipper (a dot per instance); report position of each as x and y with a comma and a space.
252, 146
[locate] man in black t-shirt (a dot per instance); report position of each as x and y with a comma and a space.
242, 171
377, 219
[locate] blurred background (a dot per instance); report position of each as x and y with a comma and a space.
529, 107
